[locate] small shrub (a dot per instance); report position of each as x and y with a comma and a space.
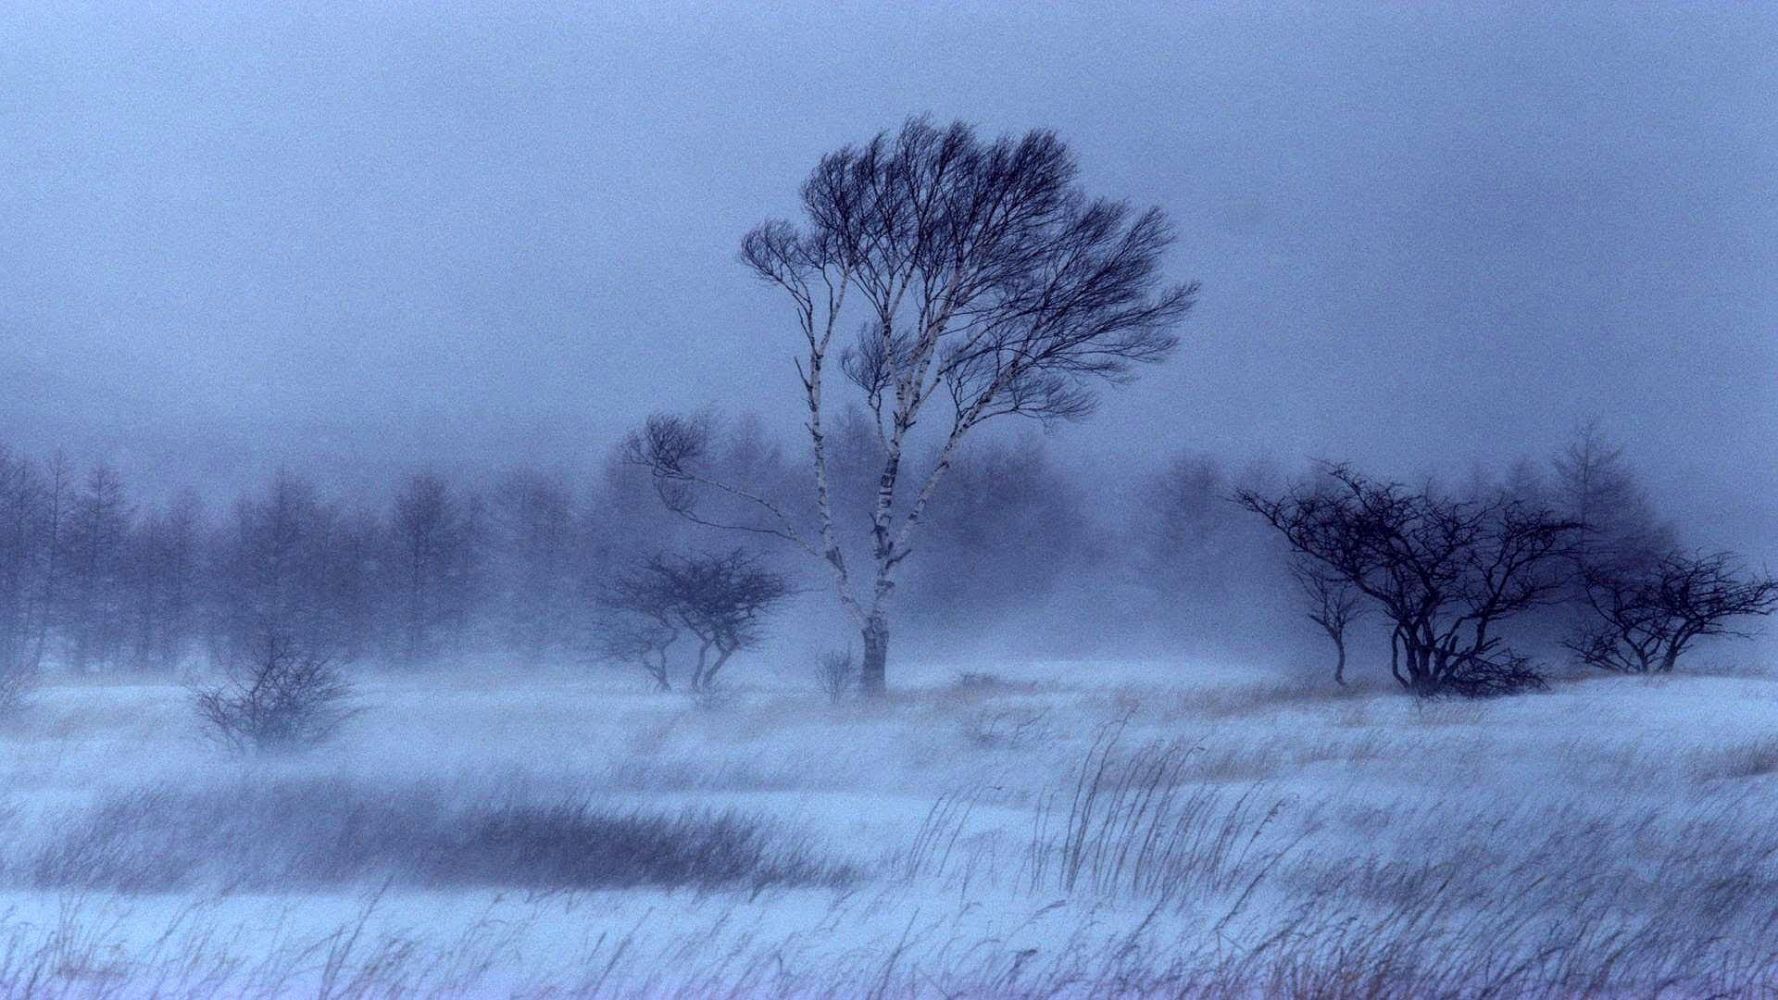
285, 698
1008, 728
1493, 678
980, 680
836, 674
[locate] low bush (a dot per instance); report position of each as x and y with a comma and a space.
1493, 678
282, 698
312, 832
836, 674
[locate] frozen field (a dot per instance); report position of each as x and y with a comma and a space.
1071, 829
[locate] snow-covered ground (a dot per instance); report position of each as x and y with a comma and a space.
1050, 829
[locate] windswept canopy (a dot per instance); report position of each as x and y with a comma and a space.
977, 273
982, 269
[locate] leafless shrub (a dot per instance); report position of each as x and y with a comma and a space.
284, 698
630, 637
1493, 677
1644, 618
1445, 572
982, 681
1007, 728
836, 675
1333, 604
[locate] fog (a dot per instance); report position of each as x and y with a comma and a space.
348, 237
433, 562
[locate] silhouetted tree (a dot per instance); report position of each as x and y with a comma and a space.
24, 552
433, 566
98, 528
1444, 571
987, 283
719, 600
1212, 569
643, 636
1645, 618
1596, 487
281, 696
836, 674
50, 597
161, 580
538, 563
273, 584
352, 580
999, 497
22, 548
1333, 605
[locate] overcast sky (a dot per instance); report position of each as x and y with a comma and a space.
408, 233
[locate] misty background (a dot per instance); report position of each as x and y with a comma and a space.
359, 243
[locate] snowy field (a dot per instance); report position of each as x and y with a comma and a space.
1051, 829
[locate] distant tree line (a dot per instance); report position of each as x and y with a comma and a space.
525, 567
1564, 560
1457, 571
92, 580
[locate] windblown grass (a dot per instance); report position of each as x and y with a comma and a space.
310, 833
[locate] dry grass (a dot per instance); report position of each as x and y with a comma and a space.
305, 834
1752, 760
1596, 841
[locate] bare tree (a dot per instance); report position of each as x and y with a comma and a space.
434, 534
642, 634
1645, 619
1333, 605
1444, 571
1211, 568
291, 568
719, 600
281, 697
999, 496
98, 527
161, 579
24, 550
1597, 486
59, 485
532, 519
987, 284
836, 673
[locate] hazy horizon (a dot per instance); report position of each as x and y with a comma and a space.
349, 240
566, 661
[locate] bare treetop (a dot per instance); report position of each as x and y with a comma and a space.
1444, 571
979, 273
983, 270
1646, 618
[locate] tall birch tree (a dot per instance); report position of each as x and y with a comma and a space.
983, 282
